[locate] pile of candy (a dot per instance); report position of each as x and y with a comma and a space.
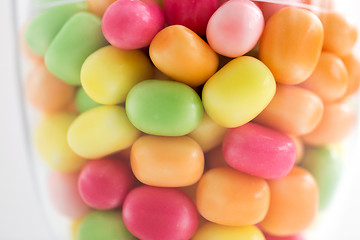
191, 119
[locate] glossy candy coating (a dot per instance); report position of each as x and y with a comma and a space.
227, 94
132, 24
335, 125
104, 183
88, 132
259, 151
103, 225
165, 108
191, 14
325, 164
51, 143
329, 79
215, 231
235, 28
293, 203
167, 161
99, 7
108, 74
352, 64
182, 55
160, 213
64, 56
64, 194
291, 44
84, 102
43, 28
293, 110
228, 197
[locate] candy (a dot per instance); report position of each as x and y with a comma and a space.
228, 93
192, 14
78, 38
329, 79
43, 28
103, 225
167, 161
268, 8
336, 124
160, 213
218, 232
293, 203
215, 158
291, 44
201, 133
235, 28
83, 101
99, 7
340, 34
108, 74
101, 131
104, 183
259, 151
324, 163
293, 110
293, 237
299, 146
132, 24
182, 55
64, 194
46, 92
228, 197
74, 228
164, 108
352, 64
51, 144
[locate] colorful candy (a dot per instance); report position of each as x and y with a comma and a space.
167, 161
291, 44
83, 102
165, 108
183, 55
99, 7
104, 183
87, 133
108, 74
228, 93
228, 197
235, 28
129, 24
259, 151
160, 213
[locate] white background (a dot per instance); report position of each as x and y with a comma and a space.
20, 211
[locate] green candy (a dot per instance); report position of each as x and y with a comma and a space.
43, 28
79, 37
324, 163
83, 101
165, 108
103, 225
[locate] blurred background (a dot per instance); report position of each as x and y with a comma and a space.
21, 213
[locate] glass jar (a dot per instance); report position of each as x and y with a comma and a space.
180, 119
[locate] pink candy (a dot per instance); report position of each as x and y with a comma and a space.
259, 151
104, 183
235, 28
154, 213
294, 237
132, 24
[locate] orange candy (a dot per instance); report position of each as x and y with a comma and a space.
329, 79
99, 7
352, 63
340, 35
293, 203
229, 197
291, 44
45, 91
167, 161
215, 158
293, 110
182, 55
299, 145
336, 124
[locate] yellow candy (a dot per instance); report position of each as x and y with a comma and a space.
208, 133
52, 146
215, 231
101, 131
238, 92
75, 224
108, 74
